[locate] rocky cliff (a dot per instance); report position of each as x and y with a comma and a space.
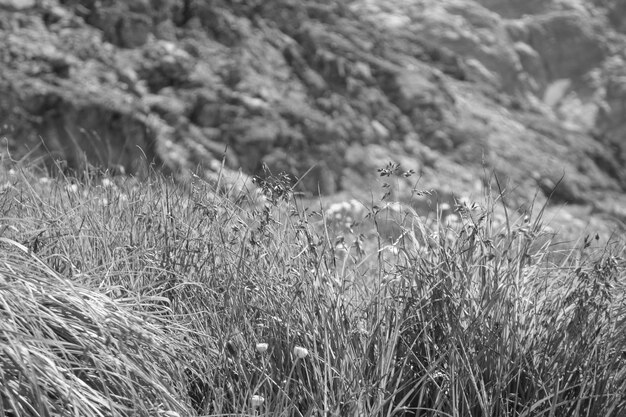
534, 91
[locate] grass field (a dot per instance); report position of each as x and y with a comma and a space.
154, 298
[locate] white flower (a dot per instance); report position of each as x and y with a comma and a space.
257, 401
72, 188
300, 352
341, 250
261, 347
169, 413
393, 250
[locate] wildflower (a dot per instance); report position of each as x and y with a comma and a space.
257, 401
122, 199
393, 250
362, 329
72, 188
106, 183
261, 347
300, 352
341, 250
452, 220
169, 414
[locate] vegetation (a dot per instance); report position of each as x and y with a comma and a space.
124, 298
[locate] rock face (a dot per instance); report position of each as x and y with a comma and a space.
17, 4
567, 42
532, 90
616, 13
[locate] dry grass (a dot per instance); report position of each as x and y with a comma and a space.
69, 350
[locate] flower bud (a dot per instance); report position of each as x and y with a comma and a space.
257, 401
300, 352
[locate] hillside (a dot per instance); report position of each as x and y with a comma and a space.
312, 208
459, 91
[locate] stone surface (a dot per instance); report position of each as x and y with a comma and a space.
528, 90
617, 15
569, 43
17, 4
516, 8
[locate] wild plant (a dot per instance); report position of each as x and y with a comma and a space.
126, 297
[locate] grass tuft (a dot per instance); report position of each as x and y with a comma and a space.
124, 298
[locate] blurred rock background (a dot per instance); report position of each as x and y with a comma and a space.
533, 91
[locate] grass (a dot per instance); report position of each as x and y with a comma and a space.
155, 298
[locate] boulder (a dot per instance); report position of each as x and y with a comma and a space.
611, 125
127, 24
168, 106
17, 4
617, 15
74, 127
452, 29
516, 8
419, 93
533, 66
568, 43
165, 64
133, 30
482, 37
120, 26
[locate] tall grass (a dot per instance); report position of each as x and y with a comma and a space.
120, 298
